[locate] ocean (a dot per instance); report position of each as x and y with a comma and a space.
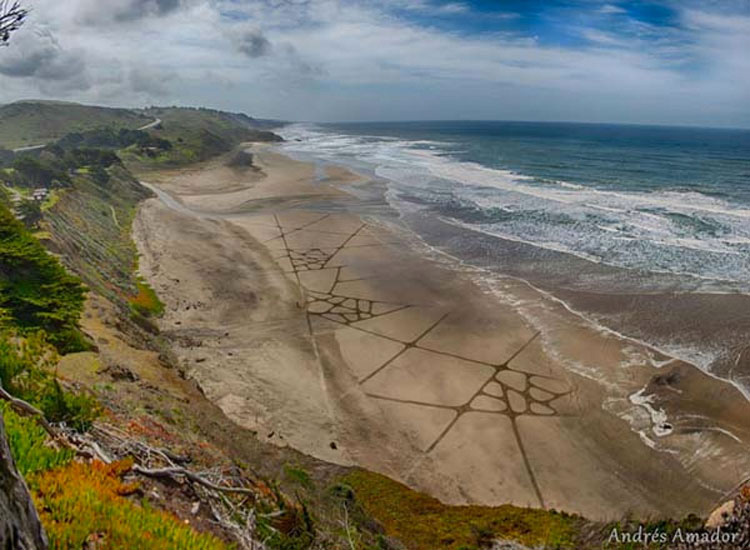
644, 230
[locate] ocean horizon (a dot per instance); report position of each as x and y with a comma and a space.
343, 123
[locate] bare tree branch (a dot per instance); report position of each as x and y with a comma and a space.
195, 478
238, 518
12, 17
27, 409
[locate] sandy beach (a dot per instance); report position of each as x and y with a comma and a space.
308, 315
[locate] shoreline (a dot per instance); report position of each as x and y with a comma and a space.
677, 333
697, 318
688, 356
386, 417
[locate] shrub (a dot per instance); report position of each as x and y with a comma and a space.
99, 175
146, 302
298, 475
27, 372
82, 505
31, 211
29, 444
77, 410
32, 172
113, 139
90, 157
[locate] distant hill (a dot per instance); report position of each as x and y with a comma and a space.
30, 123
211, 120
27, 123
200, 133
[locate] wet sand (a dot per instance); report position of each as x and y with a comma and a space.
311, 318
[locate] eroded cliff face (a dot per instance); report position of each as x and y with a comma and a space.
20, 528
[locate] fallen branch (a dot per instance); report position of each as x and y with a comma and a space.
86, 446
171, 472
195, 478
27, 409
124, 441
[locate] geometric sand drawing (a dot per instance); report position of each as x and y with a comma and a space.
494, 389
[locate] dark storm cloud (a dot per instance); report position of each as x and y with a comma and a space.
93, 12
37, 54
253, 43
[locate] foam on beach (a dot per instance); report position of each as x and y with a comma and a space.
679, 241
664, 231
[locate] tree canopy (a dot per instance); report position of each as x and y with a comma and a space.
36, 292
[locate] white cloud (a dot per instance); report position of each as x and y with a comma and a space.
611, 8
364, 59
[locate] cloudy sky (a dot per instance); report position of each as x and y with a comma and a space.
670, 62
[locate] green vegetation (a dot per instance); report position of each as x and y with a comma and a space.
424, 523
27, 123
146, 302
81, 504
85, 157
52, 166
28, 171
294, 530
86, 219
185, 135
40, 304
31, 212
27, 371
29, 445
91, 226
111, 138
4, 196
298, 475
89, 220
84, 506
35, 290
196, 135
6, 156
51, 200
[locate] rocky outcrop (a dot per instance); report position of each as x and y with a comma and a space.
20, 528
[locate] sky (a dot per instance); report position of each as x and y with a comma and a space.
682, 62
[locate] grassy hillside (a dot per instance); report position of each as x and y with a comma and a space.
195, 135
27, 123
90, 226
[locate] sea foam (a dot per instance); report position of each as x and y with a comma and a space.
663, 231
